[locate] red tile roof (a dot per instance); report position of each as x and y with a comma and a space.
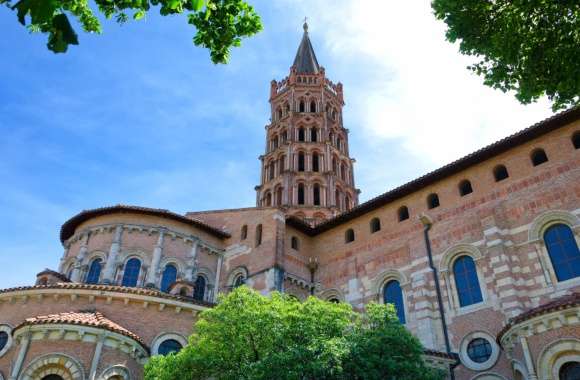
69, 227
561, 303
539, 129
83, 318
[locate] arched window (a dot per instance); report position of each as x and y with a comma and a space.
294, 243
563, 251
403, 213
339, 143
131, 273
466, 281
334, 165
281, 165
500, 173
279, 111
465, 188
315, 162
301, 134
279, 196
314, 135
570, 371
183, 292
169, 277
239, 281
337, 198
300, 193
313, 106
316, 194
393, 294
539, 157
94, 272
347, 202
169, 346
301, 106
244, 232
343, 171
333, 300
258, 235
3, 339
576, 140
301, 162
271, 171
349, 236
268, 199
375, 225
199, 289
52, 377
433, 201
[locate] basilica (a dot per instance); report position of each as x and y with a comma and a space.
480, 257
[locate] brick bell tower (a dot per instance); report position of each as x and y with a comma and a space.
306, 168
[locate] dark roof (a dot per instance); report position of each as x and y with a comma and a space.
305, 61
69, 227
539, 129
56, 274
564, 302
83, 318
109, 288
444, 355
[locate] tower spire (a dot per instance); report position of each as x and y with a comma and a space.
305, 61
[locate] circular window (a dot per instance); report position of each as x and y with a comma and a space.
479, 350
169, 346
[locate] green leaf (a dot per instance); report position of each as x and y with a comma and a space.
139, 15
62, 35
197, 4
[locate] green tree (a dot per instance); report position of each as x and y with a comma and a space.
220, 24
530, 47
250, 336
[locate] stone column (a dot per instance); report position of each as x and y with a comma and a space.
77, 273
528, 357
109, 271
217, 276
96, 358
157, 253
192, 265
24, 344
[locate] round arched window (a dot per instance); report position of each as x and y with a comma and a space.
479, 350
52, 377
3, 339
169, 346
570, 371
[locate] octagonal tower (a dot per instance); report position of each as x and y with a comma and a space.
306, 167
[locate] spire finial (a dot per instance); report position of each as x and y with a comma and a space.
305, 25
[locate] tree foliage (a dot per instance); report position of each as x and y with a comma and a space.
530, 47
250, 336
220, 24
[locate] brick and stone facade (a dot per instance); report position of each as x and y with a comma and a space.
493, 206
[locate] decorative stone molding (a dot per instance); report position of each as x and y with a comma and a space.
298, 281
235, 273
87, 334
382, 278
453, 252
549, 218
555, 355
489, 376
166, 336
466, 360
59, 364
8, 330
116, 371
333, 293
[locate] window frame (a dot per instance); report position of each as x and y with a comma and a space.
375, 225
349, 236
129, 259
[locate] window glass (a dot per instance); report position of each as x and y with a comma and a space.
131, 274
570, 371
94, 272
199, 291
394, 295
479, 350
466, 281
169, 277
3, 339
169, 346
563, 251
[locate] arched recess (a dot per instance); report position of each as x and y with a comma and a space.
116, 372
235, 274
330, 294
452, 253
59, 364
179, 264
555, 355
547, 219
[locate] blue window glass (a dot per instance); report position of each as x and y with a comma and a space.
479, 350
169, 346
393, 294
466, 281
94, 272
570, 371
131, 275
169, 277
563, 251
3, 340
199, 291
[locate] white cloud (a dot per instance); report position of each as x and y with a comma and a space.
406, 85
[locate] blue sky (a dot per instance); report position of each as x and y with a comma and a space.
139, 115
